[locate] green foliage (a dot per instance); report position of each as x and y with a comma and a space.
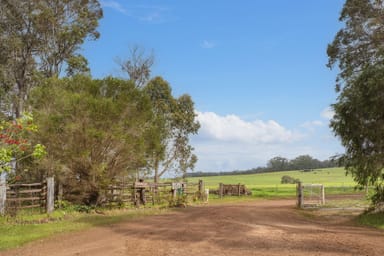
286, 179
378, 197
358, 121
15, 141
174, 121
63, 205
37, 39
39, 151
359, 117
94, 131
278, 163
83, 208
299, 163
360, 42
372, 219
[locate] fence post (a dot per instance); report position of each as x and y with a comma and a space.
221, 190
50, 194
201, 189
322, 195
299, 189
174, 191
3, 194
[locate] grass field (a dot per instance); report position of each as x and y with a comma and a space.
328, 177
269, 184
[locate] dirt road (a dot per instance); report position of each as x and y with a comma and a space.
256, 228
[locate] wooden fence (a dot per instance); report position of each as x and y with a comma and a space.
155, 193
42, 195
22, 196
232, 190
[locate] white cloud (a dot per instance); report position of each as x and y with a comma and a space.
206, 44
227, 143
311, 125
328, 113
114, 5
232, 128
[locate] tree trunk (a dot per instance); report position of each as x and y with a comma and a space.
156, 175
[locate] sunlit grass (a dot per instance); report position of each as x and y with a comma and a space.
329, 177
268, 185
372, 219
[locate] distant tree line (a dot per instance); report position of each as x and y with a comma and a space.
277, 164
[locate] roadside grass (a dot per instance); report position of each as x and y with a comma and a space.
372, 219
24, 228
349, 203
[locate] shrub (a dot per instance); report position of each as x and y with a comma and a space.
289, 180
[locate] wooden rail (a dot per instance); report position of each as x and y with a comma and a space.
155, 193
27, 195
232, 190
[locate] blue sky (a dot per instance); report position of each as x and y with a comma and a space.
256, 71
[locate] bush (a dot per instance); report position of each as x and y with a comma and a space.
289, 180
378, 196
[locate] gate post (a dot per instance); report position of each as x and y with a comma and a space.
50, 194
221, 190
299, 189
322, 195
3, 194
201, 189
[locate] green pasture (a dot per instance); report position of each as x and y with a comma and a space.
269, 184
334, 177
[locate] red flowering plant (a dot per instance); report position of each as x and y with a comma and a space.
15, 144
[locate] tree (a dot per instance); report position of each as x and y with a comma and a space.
286, 179
94, 131
138, 65
16, 144
359, 123
277, 164
358, 48
304, 162
361, 42
38, 38
174, 121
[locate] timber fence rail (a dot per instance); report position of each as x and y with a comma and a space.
154, 193
14, 197
231, 190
